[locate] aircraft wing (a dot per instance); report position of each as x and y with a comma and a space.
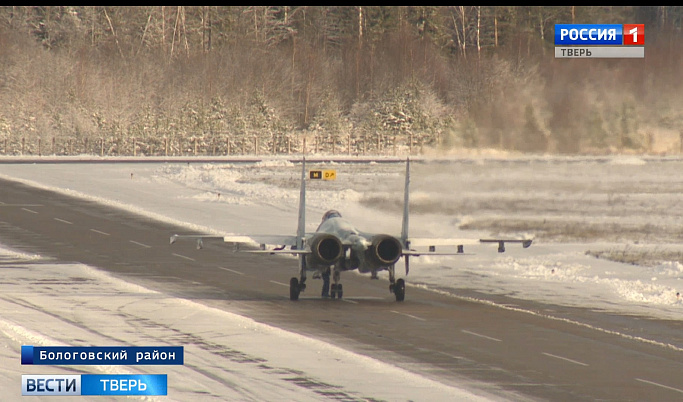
199, 238
283, 244
262, 240
525, 242
460, 243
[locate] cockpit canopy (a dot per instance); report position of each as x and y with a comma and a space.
332, 213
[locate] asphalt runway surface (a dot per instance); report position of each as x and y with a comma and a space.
534, 351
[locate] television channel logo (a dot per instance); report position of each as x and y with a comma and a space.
599, 34
599, 41
634, 34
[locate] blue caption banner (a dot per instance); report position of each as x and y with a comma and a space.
588, 34
124, 384
94, 384
102, 355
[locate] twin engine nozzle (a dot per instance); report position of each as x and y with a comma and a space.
327, 249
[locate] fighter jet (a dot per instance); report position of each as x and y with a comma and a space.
337, 246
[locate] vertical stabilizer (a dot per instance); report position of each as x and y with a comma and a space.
301, 226
406, 198
406, 215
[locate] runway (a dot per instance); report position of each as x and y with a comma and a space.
536, 351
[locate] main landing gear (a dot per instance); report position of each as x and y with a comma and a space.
397, 287
399, 290
295, 288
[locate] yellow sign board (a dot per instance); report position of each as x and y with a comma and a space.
323, 174
329, 175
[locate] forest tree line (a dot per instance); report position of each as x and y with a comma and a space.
138, 80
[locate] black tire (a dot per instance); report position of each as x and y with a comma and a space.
333, 291
294, 289
340, 291
400, 290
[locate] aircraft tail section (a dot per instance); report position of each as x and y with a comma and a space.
301, 225
406, 216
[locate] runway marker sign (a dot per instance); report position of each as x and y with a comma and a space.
323, 174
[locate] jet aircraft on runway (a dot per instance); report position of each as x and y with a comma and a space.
337, 246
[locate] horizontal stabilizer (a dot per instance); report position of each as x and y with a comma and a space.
280, 240
276, 251
417, 253
420, 242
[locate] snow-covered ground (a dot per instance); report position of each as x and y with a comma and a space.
574, 207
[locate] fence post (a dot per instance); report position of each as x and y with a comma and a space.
23, 144
303, 145
39, 152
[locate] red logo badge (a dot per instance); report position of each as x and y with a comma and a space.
634, 34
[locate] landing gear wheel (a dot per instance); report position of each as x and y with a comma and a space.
400, 290
333, 291
340, 292
294, 289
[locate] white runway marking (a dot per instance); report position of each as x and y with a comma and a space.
182, 256
451, 356
232, 270
481, 336
63, 221
30, 210
565, 359
408, 315
102, 233
660, 385
279, 283
140, 244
